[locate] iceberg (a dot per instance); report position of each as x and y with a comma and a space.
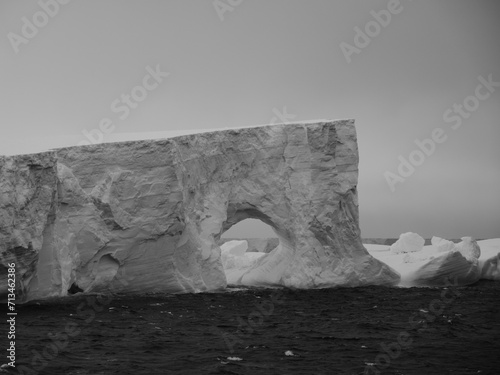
442, 245
407, 243
236, 260
489, 260
443, 262
147, 216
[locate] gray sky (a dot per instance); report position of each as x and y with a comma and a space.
235, 63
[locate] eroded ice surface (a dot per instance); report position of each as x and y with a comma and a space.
489, 261
442, 262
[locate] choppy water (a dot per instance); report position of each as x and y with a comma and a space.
329, 331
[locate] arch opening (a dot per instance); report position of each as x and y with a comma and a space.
249, 228
245, 243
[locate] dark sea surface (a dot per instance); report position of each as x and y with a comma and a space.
260, 331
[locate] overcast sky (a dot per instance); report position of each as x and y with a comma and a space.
405, 72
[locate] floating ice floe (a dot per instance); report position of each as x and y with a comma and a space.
443, 262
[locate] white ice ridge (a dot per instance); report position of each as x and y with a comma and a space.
442, 262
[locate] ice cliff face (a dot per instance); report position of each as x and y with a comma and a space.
489, 260
146, 216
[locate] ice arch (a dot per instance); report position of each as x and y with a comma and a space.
249, 228
154, 210
301, 180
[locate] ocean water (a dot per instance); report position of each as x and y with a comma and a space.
368, 330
